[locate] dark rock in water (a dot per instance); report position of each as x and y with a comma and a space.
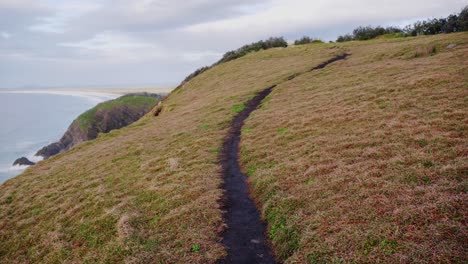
23, 161
50, 150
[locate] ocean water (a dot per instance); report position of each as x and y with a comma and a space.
31, 120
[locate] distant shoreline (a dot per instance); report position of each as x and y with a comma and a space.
71, 91
96, 95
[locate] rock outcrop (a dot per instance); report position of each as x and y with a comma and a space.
23, 161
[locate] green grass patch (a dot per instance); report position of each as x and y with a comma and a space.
9, 199
251, 170
195, 248
428, 164
378, 244
422, 142
246, 131
282, 130
238, 108
155, 220
310, 181
215, 150
284, 234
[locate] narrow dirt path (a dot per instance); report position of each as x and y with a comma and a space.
245, 237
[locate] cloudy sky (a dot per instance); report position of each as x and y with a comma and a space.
78, 43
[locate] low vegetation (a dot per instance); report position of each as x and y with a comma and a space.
450, 24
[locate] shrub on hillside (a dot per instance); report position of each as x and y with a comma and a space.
307, 40
462, 20
344, 38
195, 73
369, 32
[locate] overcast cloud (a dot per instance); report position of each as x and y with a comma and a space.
68, 43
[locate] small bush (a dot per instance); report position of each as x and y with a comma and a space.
196, 73
307, 40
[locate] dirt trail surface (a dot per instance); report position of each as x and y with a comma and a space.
324, 64
245, 236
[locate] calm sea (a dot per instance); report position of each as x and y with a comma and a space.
30, 121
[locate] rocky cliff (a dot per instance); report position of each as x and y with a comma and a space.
103, 118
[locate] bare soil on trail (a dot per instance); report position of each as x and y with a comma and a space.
245, 236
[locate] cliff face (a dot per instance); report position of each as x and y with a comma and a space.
103, 118
72, 136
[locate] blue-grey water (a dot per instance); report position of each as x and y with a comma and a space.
30, 121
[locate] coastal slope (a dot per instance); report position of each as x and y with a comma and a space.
361, 161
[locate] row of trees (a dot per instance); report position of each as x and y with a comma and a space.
453, 23
365, 33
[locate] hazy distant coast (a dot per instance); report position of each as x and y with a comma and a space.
93, 94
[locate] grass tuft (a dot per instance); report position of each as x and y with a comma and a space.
238, 108
195, 247
282, 131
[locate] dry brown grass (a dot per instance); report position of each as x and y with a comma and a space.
366, 160
362, 161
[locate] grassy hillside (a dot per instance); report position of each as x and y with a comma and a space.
362, 161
